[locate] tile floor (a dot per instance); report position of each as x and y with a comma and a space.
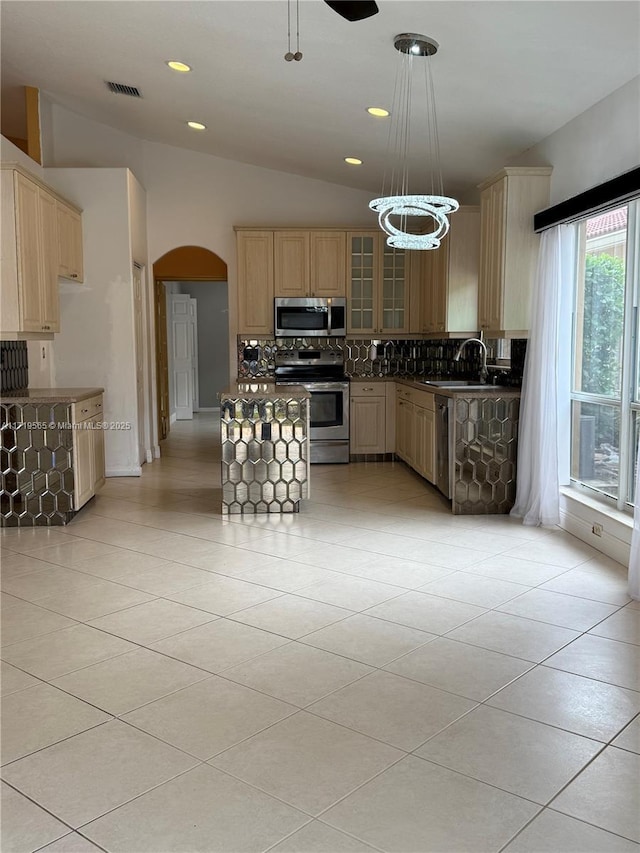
371, 674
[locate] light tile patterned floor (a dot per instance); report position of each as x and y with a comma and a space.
371, 674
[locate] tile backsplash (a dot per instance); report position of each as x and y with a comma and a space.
366, 357
14, 365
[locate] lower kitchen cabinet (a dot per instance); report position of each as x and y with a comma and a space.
415, 430
368, 419
88, 449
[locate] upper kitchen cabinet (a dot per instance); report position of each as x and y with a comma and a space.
509, 248
70, 261
449, 279
328, 256
255, 283
29, 300
309, 263
379, 286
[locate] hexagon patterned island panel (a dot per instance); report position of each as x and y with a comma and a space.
36, 453
264, 454
485, 452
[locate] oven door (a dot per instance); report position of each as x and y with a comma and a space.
329, 410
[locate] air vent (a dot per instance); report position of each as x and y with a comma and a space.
123, 89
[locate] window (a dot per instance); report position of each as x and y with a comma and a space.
605, 398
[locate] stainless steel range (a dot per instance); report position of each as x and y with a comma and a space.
322, 373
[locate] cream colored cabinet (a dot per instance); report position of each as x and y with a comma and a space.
449, 278
379, 293
70, 256
29, 301
309, 263
327, 255
291, 263
415, 430
88, 449
509, 248
255, 283
368, 418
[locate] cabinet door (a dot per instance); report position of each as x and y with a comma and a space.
28, 254
49, 299
424, 426
83, 464
98, 454
70, 257
435, 281
327, 252
393, 290
361, 301
492, 248
291, 263
255, 283
368, 425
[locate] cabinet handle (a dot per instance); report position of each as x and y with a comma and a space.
73, 275
367, 389
98, 405
46, 328
84, 411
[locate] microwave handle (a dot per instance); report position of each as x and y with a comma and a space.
329, 319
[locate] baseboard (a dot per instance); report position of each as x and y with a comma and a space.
148, 455
578, 519
156, 451
124, 472
173, 418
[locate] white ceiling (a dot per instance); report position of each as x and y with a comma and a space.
507, 75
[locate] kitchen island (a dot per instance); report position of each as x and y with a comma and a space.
264, 432
52, 448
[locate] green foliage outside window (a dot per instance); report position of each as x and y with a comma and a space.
603, 323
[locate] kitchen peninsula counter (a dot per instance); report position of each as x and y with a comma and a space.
264, 430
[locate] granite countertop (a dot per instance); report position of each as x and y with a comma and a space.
49, 395
263, 389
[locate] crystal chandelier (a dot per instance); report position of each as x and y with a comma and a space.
396, 199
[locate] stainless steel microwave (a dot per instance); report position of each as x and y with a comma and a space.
310, 317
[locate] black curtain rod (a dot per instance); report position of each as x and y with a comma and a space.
607, 195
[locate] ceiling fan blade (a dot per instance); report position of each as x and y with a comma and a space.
354, 10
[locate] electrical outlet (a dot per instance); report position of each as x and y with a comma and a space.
596, 529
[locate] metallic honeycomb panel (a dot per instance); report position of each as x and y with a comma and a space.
263, 474
366, 357
36, 454
485, 452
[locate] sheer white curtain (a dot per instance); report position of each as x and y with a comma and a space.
545, 386
634, 560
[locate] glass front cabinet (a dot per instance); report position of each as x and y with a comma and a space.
379, 286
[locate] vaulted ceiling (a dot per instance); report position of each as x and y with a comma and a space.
507, 75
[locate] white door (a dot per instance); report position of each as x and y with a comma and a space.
193, 307
182, 338
138, 306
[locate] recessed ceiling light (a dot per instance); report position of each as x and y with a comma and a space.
197, 125
378, 112
178, 66
353, 161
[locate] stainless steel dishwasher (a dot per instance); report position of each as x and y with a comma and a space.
444, 442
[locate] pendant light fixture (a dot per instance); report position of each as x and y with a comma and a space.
419, 194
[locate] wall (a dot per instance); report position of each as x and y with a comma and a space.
600, 143
213, 338
96, 343
196, 199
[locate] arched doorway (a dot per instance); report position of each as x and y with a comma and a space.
180, 266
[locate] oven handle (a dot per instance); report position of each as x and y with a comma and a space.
324, 386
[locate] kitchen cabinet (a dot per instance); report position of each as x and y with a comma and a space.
29, 300
379, 290
328, 256
368, 418
415, 430
449, 279
88, 449
309, 263
509, 248
255, 283
70, 259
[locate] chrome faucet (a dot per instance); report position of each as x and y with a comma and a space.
483, 369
